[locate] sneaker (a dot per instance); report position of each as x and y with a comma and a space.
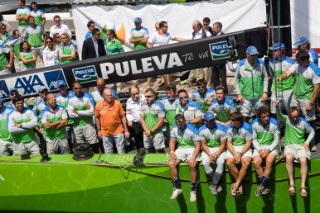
193, 196
215, 189
314, 148
259, 191
176, 193
266, 191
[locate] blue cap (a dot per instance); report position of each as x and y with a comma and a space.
301, 41
1, 101
208, 116
13, 89
42, 88
278, 46
137, 20
252, 50
61, 83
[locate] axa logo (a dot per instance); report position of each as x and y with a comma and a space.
85, 74
219, 50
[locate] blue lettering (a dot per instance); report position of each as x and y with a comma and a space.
28, 83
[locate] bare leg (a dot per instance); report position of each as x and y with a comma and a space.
269, 163
245, 162
257, 165
232, 168
289, 166
303, 170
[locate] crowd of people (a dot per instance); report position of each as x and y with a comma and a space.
204, 125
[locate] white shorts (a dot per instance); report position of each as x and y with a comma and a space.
302, 104
184, 154
274, 152
250, 106
238, 149
206, 160
297, 151
285, 97
157, 141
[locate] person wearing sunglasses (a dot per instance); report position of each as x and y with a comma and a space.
67, 50
21, 123
222, 106
213, 143
152, 116
160, 38
251, 83
5, 135
54, 119
50, 53
298, 135
22, 15
62, 98
203, 95
239, 140
265, 141
3, 21
189, 109
58, 27
14, 92
80, 107
186, 137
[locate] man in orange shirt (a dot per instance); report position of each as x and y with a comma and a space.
111, 122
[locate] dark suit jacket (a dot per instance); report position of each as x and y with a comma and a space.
88, 50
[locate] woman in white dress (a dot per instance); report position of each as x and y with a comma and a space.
50, 53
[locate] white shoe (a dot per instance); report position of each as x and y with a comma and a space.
193, 196
314, 148
215, 189
176, 193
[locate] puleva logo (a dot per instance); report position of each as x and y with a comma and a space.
85, 74
219, 50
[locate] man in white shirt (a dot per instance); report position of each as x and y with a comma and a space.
58, 27
133, 108
160, 38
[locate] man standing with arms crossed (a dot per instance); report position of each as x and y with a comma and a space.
55, 119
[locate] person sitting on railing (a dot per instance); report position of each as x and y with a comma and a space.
265, 142
296, 147
186, 136
213, 143
239, 134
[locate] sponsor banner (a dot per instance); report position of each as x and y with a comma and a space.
29, 84
85, 74
139, 64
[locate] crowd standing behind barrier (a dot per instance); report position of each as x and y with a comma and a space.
204, 120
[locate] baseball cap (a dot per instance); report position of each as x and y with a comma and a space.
252, 50
61, 83
42, 88
301, 41
13, 89
208, 116
1, 101
278, 46
137, 20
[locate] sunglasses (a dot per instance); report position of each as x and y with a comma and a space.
3, 28
14, 94
63, 38
185, 97
57, 20
199, 87
133, 94
180, 121
44, 91
57, 36
77, 88
148, 96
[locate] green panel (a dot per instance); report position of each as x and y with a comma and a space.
87, 187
